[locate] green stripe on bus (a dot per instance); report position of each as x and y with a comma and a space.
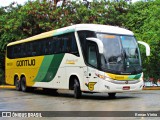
49, 68
137, 76
44, 68
53, 68
133, 77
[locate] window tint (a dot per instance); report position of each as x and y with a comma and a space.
53, 45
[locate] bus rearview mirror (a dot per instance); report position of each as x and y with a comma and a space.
98, 42
146, 46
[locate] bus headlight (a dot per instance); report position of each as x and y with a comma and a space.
101, 76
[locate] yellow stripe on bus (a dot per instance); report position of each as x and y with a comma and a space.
23, 66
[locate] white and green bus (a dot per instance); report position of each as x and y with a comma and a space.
87, 58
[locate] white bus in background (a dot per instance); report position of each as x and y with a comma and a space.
87, 58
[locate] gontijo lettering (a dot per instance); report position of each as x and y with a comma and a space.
31, 62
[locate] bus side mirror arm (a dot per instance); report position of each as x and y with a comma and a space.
147, 47
98, 42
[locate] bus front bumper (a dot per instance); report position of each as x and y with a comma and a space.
109, 87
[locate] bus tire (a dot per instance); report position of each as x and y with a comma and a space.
17, 83
23, 84
112, 95
77, 91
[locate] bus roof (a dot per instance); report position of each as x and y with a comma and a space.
104, 28
91, 27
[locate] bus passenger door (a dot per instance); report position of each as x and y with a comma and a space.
92, 71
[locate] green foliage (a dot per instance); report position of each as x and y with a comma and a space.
144, 20
19, 22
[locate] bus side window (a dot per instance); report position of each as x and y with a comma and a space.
29, 47
74, 48
36, 48
16, 51
23, 53
26, 49
58, 47
33, 49
69, 43
42, 48
10, 52
50, 42
65, 39
46, 47
62, 42
65, 43
54, 46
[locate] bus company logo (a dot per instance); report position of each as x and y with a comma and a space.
31, 62
90, 85
71, 61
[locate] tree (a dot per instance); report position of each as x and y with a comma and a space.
144, 20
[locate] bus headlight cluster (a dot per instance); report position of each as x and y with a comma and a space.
101, 76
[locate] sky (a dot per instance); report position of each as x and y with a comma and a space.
7, 2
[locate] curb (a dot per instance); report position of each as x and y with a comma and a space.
7, 87
151, 88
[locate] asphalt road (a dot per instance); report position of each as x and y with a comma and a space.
12, 100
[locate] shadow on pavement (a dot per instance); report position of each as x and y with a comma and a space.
95, 96
69, 94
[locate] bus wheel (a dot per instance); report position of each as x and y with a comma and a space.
112, 95
77, 91
17, 84
23, 84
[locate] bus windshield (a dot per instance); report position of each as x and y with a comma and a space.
121, 54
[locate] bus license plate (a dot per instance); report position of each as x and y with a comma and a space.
126, 87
